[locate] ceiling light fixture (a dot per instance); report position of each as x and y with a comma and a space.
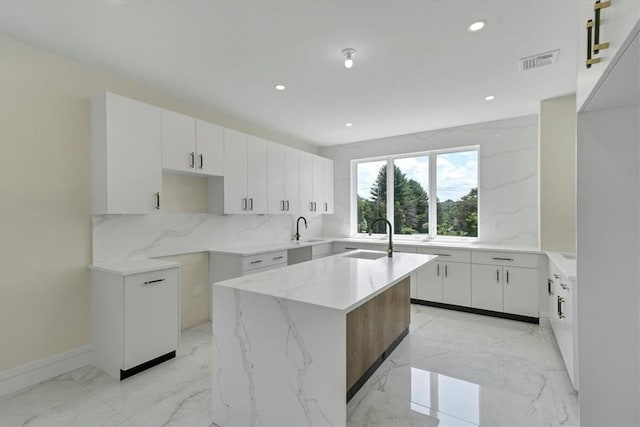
489, 98
348, 124
348, 54
476, 26
280, 87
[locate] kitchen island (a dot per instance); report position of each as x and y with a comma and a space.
291, 345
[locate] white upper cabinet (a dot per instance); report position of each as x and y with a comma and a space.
178, 142
126, 153
275, 179
614, 25
318, 184
306, 183
190, 145
209, 148
327, 206
292, 180
257, 175
245, 179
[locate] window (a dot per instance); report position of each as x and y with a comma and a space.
452, 176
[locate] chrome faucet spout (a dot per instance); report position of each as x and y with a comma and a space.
390, 248
298, 226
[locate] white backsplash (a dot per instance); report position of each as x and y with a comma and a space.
127, 237
508, 168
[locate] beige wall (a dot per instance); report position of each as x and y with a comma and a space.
558, 174
45, 222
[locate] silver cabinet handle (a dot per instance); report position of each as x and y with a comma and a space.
438, 270
446, 270
350, 249
287, 206
258, 261
193, 160
251, 203
278, 257
244, 204
549, 282
498, 276
507, 277
502, 259
310, 206
442, 254
201, 161
158, 200
282, 205
326, 206
560, 313
151, 282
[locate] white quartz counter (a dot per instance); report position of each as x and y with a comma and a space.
126, 268
565, 262
438, 244
336, 282
246, 250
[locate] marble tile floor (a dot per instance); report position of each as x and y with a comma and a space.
454, 369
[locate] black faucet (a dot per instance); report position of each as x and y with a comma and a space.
297, 224
390, 248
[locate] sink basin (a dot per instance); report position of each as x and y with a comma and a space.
366, 255
569, 256
309, 241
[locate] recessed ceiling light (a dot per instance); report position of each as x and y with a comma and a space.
348, 54
280, 87
476, 26
348, 124
489, 98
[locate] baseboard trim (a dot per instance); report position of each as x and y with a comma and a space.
44, 369
509, 316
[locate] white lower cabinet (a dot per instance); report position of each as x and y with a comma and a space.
446, 282
510, 290
134, 319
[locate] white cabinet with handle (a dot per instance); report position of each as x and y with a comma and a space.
283, 179
190, 145
126, 173
446, 280
135, 320
327, 176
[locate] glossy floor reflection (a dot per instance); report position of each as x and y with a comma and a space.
453, 369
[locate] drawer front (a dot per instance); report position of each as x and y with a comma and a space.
514, 259
252, 262
339, 247
446, 254
151, 316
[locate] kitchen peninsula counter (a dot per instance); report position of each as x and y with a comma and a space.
291, 344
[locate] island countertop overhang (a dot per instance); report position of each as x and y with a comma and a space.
336, 282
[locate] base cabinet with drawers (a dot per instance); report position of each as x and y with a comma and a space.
135, 320
446, 280
227, 266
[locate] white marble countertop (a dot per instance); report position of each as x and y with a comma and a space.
566, 265
126, 268
336, 282
439, 244
246, 250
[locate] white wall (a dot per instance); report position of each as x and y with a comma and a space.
508, 169
558, 174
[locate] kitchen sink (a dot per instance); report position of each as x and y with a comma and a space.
366, 255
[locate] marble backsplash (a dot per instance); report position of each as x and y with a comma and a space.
508, 175
127, 237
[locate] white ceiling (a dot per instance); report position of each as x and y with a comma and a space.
417, 67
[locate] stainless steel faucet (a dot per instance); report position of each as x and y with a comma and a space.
298, 224
390, 248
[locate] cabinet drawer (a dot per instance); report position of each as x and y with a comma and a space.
446, 254
151, 322
505, 258
339, 247
252, 262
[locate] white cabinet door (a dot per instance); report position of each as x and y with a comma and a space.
486, 290
209, 148
151, 322
275, 178
306, 183
520, 291
456, 283
131, 174
327, 206
178, 142
257, 175
429, 282
235, 168
292, 180
318, 184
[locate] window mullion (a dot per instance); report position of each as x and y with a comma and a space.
433, 198
390, 196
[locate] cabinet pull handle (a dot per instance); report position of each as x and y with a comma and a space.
507, 277
446, 270
590, 61
193, 160
278, 257
560, 313
287, 205
565, 287
201, 161
151, 282
310, 206
549, 291
556, 276
438, 270
158, 201
258, 261
350, 249
442, 254
597, 46
326, 206
282, 205
502, 259
497, 276
244, 204
251, 203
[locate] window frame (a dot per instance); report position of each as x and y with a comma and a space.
431, 190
